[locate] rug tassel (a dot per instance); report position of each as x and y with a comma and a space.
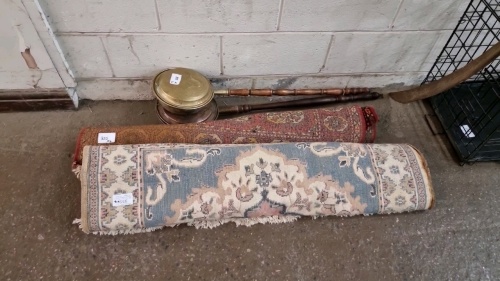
79, 222
77, 171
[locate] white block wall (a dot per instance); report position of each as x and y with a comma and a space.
260, 43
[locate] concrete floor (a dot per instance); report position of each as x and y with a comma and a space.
457, 240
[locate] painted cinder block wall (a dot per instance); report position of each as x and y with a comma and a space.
115, 47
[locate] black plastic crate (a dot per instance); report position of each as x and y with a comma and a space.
470, 112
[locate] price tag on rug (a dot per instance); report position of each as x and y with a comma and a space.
175, 79
123, 199
106, 137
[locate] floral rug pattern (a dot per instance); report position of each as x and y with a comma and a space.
207, 185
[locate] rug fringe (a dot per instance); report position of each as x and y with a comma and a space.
215, 223
128, 231
77, 170
244, 221
201, 224
79, 222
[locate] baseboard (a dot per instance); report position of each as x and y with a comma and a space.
35, 100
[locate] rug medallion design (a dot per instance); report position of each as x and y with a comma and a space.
207, 185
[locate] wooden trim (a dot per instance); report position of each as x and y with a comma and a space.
35, 100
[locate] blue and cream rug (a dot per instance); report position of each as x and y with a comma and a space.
139, 188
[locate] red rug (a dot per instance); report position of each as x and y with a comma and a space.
341, 124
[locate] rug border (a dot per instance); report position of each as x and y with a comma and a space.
428, 180
84, 223
372, 109
361, 113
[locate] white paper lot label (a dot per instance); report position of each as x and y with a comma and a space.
467, 131
106, 138
123, 199
175, 79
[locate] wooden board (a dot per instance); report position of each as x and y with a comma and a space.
35, 100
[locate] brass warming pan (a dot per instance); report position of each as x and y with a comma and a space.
186, 96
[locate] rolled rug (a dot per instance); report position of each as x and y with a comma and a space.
340, 124
139, 188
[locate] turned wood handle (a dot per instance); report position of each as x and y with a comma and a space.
308, 102
292, 92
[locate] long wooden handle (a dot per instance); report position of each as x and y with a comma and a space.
308, 102
449, 81
292, 92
